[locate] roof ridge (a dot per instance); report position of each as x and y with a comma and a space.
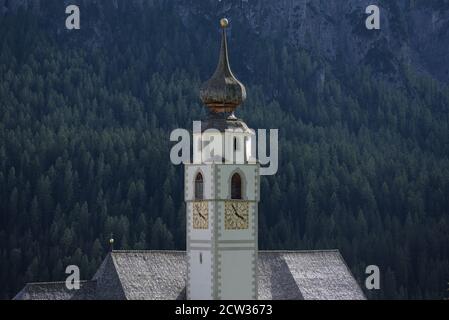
300, 251
183, 251
148, 251
58, 282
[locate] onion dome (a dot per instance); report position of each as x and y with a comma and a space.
223, 92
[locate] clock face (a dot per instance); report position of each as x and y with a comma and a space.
236, 215
200, 215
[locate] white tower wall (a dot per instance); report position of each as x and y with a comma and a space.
222, 263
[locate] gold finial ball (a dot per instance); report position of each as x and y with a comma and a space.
224, 23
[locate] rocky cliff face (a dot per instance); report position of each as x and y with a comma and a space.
415, 32
412, 31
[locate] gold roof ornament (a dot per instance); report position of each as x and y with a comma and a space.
222, 93
224, 23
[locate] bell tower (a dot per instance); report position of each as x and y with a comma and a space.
222, 194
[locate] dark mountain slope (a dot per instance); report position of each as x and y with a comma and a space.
85, 119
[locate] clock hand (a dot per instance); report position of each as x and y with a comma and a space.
235, 212
198, 211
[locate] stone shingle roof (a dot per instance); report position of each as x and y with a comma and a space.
151, 275
308, 275
57, 291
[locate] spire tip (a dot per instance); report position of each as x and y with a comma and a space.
224, 23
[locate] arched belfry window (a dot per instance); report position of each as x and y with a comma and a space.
199, 187
236, 186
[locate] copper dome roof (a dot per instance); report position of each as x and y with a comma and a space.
222, 93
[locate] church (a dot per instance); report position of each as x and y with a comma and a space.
222, 260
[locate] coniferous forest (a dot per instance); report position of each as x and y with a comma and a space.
85, 119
